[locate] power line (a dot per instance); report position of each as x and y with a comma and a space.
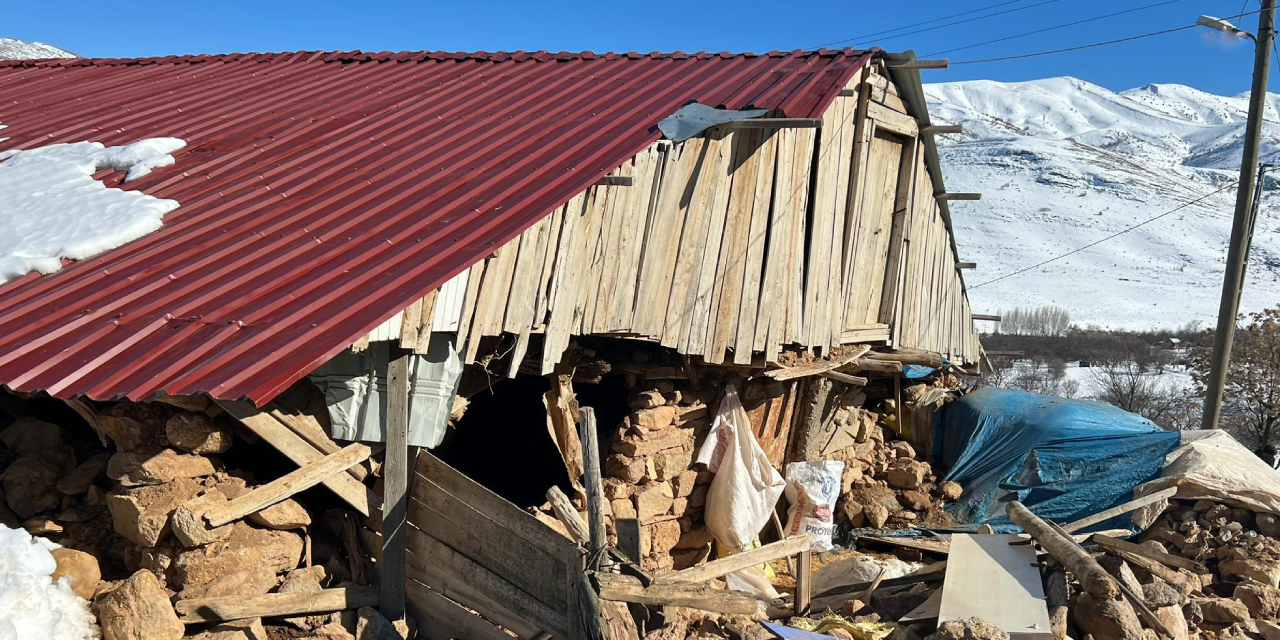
1092, 45
921, 24
949, 24
1118, 233
1054, 28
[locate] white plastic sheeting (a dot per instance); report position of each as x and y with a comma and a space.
1212, 465
355, 389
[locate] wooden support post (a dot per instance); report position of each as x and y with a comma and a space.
200, 610
1093, 578
395, 486
804, 581
958, 196
966, 265
936, 129
287, 485
773, 123
985, 316
591, 478
568, 515
1055, 593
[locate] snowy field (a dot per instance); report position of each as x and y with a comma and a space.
1062, 163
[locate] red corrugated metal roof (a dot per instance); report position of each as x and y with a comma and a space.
322, 192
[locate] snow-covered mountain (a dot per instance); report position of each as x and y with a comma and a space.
11, 49
1062, 163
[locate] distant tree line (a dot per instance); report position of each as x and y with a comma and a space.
1042, 321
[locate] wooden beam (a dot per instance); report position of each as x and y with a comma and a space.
877, 366
395, 486
615, 181
300, 452
916, 64
1107, 542
816, 368
985, 316
936, 129
949, 197
621, 588
295, 481
201, 610
845, 378
724, 566
926, 358
1119, 509
966, 265
773, 123
1093, 578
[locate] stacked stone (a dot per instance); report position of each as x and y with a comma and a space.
884, 485
650, 473
128, 510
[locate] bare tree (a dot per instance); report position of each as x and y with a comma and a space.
1252, 395
1047, 320
1133, 387
1034, 376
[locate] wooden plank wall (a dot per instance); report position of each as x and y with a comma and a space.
742, 242
468, 546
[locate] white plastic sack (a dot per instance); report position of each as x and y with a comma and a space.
812, 490
746, 486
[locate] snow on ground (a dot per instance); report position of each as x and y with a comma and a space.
32, 605
55, 209
1062, 163
1173, 377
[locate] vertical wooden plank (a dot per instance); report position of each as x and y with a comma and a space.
561, 296
804, 579
734, 245
467, 316
595, 243
753, 283
662, 234
703, 280
591, 478
818, 267
695, 203
835, 279
395, 487
622, 295
772, 308
893, 267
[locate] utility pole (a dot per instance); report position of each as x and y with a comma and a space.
1237, 254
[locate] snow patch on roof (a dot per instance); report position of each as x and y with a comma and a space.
32, 605
55, 209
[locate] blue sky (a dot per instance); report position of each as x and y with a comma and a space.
1193, 57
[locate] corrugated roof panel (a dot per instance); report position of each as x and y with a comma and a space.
322, 192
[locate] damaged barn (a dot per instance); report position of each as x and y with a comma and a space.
499, 373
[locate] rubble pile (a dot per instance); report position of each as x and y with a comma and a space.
126, 505
650, 473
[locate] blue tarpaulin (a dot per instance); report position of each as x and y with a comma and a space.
1065, 459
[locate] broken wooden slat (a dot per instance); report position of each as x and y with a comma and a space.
200, 610
804, 582
296, 449
1108, 514
816, 368
310, 431
568, 515
621, 588
724, 566
300, 479
999, 582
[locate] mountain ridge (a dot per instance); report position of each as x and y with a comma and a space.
12, 49
1063, 163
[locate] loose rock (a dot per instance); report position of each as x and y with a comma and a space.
137, 469
1106, 619
284, 515
81, 570
138, 609
28, 435
197, 433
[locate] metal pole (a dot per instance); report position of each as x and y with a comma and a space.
1236, 255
